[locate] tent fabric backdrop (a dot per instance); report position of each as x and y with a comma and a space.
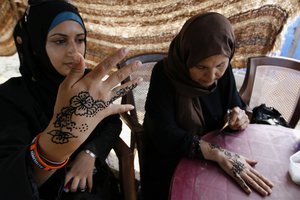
149, 26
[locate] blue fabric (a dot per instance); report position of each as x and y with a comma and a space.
61, 17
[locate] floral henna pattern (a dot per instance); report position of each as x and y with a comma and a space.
237, 166
60, 137
81, 105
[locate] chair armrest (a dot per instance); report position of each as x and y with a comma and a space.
126, 170
132, 123
249, 113
137, 131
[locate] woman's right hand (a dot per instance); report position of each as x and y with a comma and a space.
238, 167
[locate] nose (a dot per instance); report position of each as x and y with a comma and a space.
72, 48
213, 74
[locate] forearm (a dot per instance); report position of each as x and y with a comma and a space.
41, 176
57, 146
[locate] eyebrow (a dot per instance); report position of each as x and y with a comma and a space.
65, 35
202, 65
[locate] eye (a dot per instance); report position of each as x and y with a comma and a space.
220, 65
59, 41
201, 67
80, 40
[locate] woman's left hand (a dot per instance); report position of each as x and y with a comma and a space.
81, 173
238, 167
238, 119
241, 170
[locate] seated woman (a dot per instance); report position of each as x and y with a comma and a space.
190, 93
55, 116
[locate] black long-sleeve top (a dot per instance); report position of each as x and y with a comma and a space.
165, 142
21, 120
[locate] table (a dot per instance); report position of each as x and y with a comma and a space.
271, 146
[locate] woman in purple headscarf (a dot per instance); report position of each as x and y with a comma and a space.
190, 94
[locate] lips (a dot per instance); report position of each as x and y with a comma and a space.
70, 64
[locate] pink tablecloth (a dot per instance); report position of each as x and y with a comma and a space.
271, 146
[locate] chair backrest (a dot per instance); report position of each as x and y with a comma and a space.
274, 81
137, 97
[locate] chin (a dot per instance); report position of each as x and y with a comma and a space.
207, 85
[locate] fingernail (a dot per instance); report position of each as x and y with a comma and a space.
140, 79
125, 50
76, 59
138, 63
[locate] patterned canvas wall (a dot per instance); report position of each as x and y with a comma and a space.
149, 25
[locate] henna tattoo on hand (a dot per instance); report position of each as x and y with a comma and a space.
123, 91
237, 167
81, 105
227, 153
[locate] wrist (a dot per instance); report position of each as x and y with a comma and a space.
210, 151
90, 153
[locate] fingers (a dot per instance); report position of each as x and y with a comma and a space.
238, 119
125, 88
258, 184
77, 70
251, 177
82, 184
261, 177
74, 185
106, 65
251, 162
122, 73
242, 183
90, 182
119, 108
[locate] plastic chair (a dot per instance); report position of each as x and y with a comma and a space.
274, 81
137, 97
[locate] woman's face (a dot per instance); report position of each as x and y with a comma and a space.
209, 70
63, 41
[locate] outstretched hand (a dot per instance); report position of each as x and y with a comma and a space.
241, 170
84, 100
98, 93
238, 167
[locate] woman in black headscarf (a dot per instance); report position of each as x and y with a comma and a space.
51, 115
190, 94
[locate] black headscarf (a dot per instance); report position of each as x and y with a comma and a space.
202, 36
30, 36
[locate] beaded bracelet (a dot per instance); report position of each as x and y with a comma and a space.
41, 161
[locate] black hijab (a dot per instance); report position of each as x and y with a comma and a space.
30, 36
202, 36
